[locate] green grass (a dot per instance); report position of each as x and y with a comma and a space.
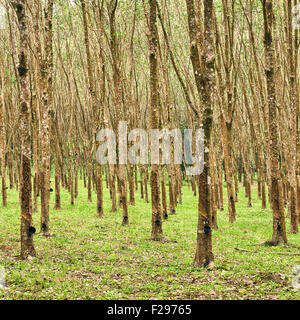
92, 258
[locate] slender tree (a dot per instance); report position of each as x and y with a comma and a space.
154, 180
279, 230
27, 230
204, 69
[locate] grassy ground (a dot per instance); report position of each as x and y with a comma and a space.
92, 258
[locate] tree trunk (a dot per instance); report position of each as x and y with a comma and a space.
279, 231
205, 85
27, 230
154, 180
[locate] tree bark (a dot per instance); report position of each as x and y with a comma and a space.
27, 230
154, 180
279, 231
205, 79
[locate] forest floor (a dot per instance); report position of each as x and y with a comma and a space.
91, 258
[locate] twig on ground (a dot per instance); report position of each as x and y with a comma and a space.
279, 253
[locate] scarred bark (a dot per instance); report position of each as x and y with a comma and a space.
154, 180
279, 231
27, 230
204, 78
